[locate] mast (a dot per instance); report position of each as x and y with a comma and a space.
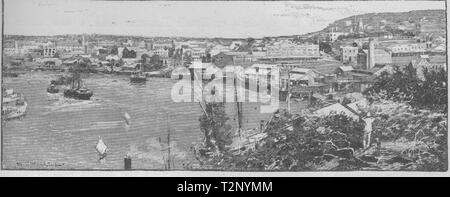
238, 107
168, 143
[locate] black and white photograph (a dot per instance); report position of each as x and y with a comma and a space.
224, 86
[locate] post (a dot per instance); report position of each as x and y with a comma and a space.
127, 162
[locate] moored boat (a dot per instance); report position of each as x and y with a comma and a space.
17, 111
138, 77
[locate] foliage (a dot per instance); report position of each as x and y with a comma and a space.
305, 147
325, 47
421, 134
406, 86
213, 125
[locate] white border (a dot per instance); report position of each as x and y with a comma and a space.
80, 173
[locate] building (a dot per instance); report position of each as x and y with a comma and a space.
49, 51
408, 48
197, 53
288, 50
162, 45
429, 63
305, 77
230, 58
373, 56
333, 36
349, 54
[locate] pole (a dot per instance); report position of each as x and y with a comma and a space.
168, 143
289, 90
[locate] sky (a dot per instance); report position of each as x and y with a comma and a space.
188, 19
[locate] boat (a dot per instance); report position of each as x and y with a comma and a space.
17, 111
9, 96
52, 89
101, 148
78, 92
138, 77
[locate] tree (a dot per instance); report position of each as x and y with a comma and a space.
114, 50
325, 47
312, 142
144, 58
406, 86
213, 125
250, 41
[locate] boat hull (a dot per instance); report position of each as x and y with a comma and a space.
75, 94
52, 90
18, 112
138, 79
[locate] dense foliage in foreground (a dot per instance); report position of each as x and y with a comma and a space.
405, 86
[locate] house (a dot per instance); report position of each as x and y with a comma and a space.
304, 76
227, 58
180, 73
349, 54
333, 36
207, 70
343, 70
112, 57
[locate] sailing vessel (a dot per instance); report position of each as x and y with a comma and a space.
101, 148
78, 92
138, 77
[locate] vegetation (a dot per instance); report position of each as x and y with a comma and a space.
308, 146
215, 130
430, 92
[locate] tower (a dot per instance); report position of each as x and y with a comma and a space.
83, 43
16, 47
371, 54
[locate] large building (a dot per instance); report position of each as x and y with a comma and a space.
289, 50
49, 51
349, 54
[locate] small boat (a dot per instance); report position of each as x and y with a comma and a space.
101, 148
78, 92
10, 96
14, 112
138, 77
52, 89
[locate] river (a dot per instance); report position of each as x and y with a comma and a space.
61, 133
